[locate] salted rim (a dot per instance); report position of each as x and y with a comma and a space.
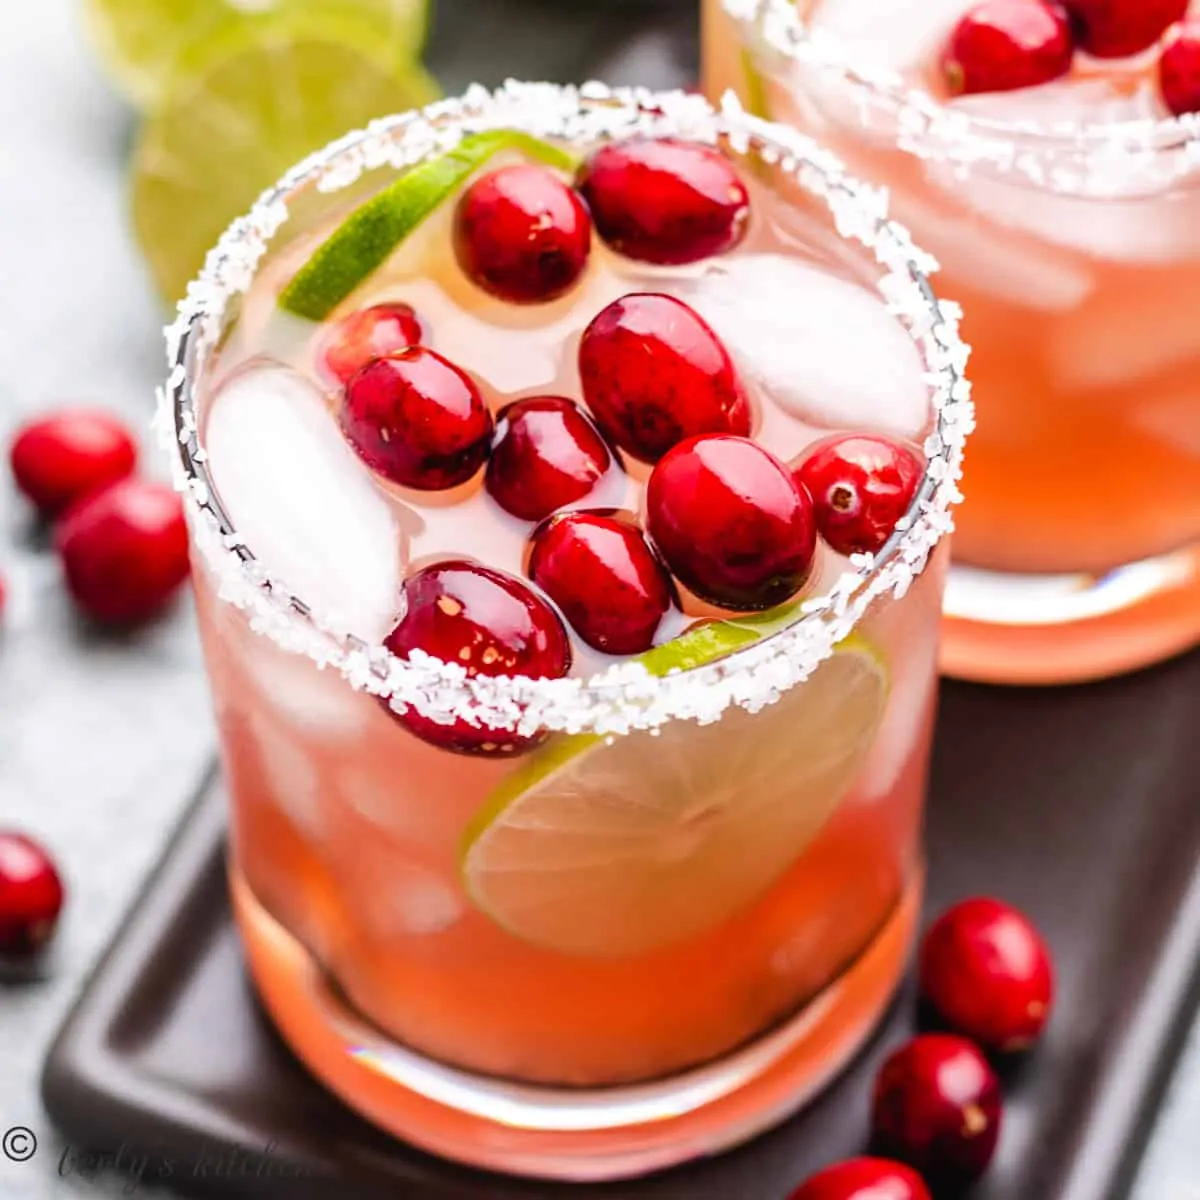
624, 696
1096, 159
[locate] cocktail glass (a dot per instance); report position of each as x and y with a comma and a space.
677, 908
1065, 220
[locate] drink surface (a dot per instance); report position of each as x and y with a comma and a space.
1073, 281
575, 909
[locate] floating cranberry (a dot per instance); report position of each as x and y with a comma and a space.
31, 895
418, 420
546, 454
1179, 69
602, 574
67, 455
1002, 45
860, 485
731, 522
665, 201
1119, 28
654, 373
987, 972
359, 338
863, 1179
488, 623
522, 234
937, 1107
124, 551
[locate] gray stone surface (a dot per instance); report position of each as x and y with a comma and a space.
102, 739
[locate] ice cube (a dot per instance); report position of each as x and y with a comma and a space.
825, 350
418, 902
896, 36
302, 501
290, 774
1069, 102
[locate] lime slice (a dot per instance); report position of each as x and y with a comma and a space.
231, 128
140, 41
363, 242
619, 848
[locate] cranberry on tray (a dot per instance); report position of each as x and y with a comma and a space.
606, 580
665, 201
488, 623
363, 336
863, 1179
937, 1107
987, 972
732, 524
417, 420
522, 234
546, 454
653, 373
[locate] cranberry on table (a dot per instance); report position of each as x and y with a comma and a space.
602, 574
1002, 45
937, 1107
124, 551
546, 454
60, 458
360, 337
653, 373
660, 200
1118, 28
731, 522
1179, 69
488, 623
522, 234
417, 420
860, 485
987, 972
31, 895
863, 1179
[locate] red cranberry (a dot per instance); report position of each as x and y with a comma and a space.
418, 420
359, 338
1119, 28
987, 972
547, 454
665, 201
731, 522
522, 234
31, 895
1001, 45
863, 1179
654, 373
490, 624
1179, 69
125, 551
860, 485
63, 457
937, 1107
604, 577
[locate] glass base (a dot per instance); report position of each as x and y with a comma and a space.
1045, 629
579, 1134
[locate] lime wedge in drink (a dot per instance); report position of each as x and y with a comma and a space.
624, 847
261, 100
140, 41
363, 242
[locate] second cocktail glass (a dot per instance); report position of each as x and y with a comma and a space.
528, 881
1066, 219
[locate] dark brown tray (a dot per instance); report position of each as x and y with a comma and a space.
1079, 805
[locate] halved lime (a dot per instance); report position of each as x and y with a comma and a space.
623, 847
140, 41
232, 127
362, 243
